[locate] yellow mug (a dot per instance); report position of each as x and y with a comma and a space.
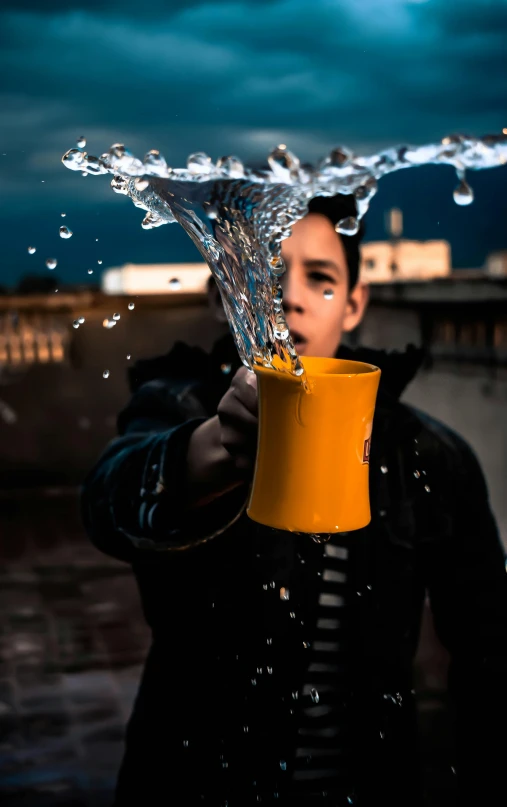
311, 471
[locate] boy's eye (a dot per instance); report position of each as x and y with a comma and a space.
320, 276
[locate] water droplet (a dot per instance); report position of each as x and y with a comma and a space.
81, 320
116, 317
226, 369
359, 593
306, 645
269, 641
417, 474
141, 184
73, 159
339, 157
382, 735
231, 166
108, 323
298, 368
328, 294
185, 743
265, 586
284, 593
152, 220
81, 142
131, 306
283, 163
384, 469
31, 250
156, 164
283, 765
75, 324
270, 670
323, 538
366, 191
51, 263
128, 356
463, 194
99, 262
254, 682
119, 184
63, 215
225, 764
453, 770
292, 615
65, 232
259, 670
199, 163
105, 374
272, 584
175, 284
295, 695
90, 271
350, 800
314, 695
427, 488
347, 226
246, 729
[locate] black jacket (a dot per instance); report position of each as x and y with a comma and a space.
227, 711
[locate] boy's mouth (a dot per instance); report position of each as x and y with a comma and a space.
298, 338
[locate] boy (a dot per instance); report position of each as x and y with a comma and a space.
281, 669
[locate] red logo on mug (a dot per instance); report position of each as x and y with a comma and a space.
366, 450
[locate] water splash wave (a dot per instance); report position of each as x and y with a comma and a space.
237, 217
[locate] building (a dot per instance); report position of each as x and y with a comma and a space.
158, 278
404, 261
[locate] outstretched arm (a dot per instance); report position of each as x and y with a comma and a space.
166, 483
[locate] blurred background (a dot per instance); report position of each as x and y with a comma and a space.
227, 78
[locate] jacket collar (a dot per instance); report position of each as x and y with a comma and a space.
397, 368
216, 368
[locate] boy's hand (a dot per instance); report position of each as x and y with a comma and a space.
237, 415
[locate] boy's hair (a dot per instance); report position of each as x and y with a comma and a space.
336, 208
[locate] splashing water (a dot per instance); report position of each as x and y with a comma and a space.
238, 217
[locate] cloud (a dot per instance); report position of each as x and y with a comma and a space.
237, 77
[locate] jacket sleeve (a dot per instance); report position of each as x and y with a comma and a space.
467, 584
133, 500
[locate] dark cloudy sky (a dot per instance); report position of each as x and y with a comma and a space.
238, 77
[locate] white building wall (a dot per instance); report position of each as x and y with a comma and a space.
385, 261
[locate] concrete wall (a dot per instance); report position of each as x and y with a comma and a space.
471, 399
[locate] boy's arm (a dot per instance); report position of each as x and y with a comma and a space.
467, 584
166, 483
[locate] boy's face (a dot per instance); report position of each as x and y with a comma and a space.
316, 263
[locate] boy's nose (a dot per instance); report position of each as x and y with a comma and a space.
293, 292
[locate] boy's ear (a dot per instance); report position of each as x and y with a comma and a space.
356, 306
